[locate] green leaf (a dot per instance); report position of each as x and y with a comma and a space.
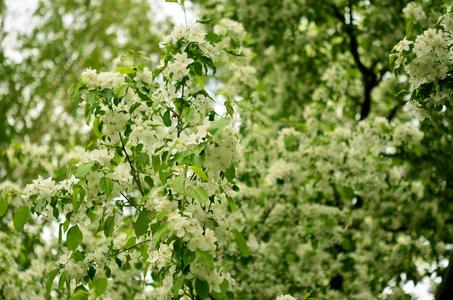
245, 105
80, 295
205, 258
188, 112
212, 37
188, 257
403, 91
230, 173
91, 97
149, 181
100, 285
142, 159
109, 225
178, 183
121, 91
4, 196
21, 218
234, 40
50, 280
229, 108
96, 124
233, 51
74, 238
125, 70
392, 59
62, 280
241, 243
178, 284
408, 28
163, 176
157, 71
198, 159
75, 94
77, 198
199, 172
202, 288
231, 202
106, 185
158, 234
107, 94
131, 242
160, 216
141, 225
198, 68
217, 126
166, 118
205, 21
156, 163
88, 111
84, 169
38, 206
197, 192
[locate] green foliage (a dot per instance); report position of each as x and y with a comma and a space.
99, 285
74, 237
205, 258
141, 225
217, 126
4, 196
106, 185
21, 218
312, 181
49, 282
84, 169
199, 172
109, 226
197, 192
202, 288
241, 243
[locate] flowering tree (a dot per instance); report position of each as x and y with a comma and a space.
310, 177
162, 163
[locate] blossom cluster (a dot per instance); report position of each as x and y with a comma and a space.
427, 61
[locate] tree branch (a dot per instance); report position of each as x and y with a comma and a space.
370, 79
128, 200
446, 287
132, 247
137, 180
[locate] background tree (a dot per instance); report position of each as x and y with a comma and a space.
331, 69
68, 39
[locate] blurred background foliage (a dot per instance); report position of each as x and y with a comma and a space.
67, 38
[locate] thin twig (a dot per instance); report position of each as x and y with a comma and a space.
180, 111
128, 200
132, 247
137, 180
